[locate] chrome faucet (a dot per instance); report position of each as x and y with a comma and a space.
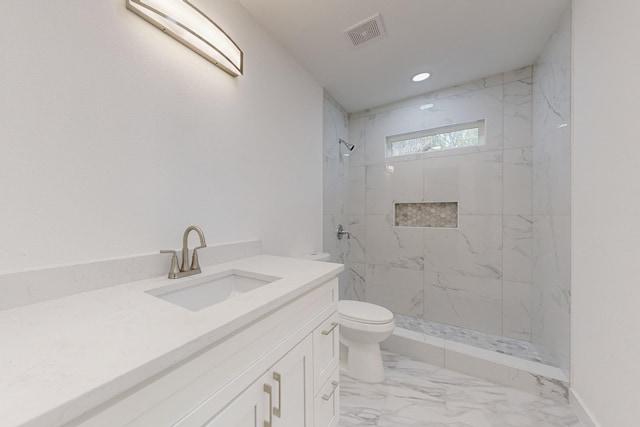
186, 270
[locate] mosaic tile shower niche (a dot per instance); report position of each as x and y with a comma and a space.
440, 214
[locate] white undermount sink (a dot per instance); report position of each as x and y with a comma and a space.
202, 292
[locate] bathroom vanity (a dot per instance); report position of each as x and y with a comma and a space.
265, 355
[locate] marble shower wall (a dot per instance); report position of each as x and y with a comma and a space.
478, 275
335, 189
551, 297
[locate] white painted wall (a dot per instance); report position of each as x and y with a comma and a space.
606, 211
115, 137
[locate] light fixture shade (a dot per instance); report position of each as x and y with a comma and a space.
191, 27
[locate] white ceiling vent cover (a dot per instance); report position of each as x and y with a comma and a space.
366, 31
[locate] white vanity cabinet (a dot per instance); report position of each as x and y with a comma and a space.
279, 371
277, 398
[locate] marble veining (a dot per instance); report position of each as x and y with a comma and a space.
336, 188
419, 394
476, 275
505, 269
407, 296
510, 346
393, 246
357, 291
473, 249
551, 194
356, 244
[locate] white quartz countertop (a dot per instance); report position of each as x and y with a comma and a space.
60, 358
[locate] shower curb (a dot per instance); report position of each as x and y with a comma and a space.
536, 378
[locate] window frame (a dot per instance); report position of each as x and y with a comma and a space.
476, 124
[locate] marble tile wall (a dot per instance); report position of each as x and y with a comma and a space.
551, 215
505, 269
478, 275
335, 189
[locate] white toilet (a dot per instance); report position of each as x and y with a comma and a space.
363, 327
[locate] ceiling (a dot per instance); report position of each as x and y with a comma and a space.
457, 41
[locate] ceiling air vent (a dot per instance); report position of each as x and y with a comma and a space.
367, 31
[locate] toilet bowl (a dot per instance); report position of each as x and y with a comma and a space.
363, 327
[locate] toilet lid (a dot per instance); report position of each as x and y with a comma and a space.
364, 312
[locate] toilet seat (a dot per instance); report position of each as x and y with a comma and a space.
362, 312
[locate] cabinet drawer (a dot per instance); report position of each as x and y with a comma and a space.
326, 350
327, 402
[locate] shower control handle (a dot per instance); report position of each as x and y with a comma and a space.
341, 232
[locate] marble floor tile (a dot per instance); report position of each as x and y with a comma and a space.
419, 394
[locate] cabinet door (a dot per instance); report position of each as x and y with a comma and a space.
292, 379
249, 409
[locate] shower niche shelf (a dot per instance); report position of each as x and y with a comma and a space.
427, 214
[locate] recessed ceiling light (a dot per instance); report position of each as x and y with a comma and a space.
420, 77
426, 106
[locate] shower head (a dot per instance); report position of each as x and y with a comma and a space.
350, 147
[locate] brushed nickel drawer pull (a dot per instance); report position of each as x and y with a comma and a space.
267, 389
328, 396
278, 411
333, 326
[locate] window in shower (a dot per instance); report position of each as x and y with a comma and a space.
437, 139
429, 214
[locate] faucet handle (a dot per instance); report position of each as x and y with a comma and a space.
173, 270
342, 232
195, 265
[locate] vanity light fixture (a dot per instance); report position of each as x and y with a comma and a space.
420, 77
190, 26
